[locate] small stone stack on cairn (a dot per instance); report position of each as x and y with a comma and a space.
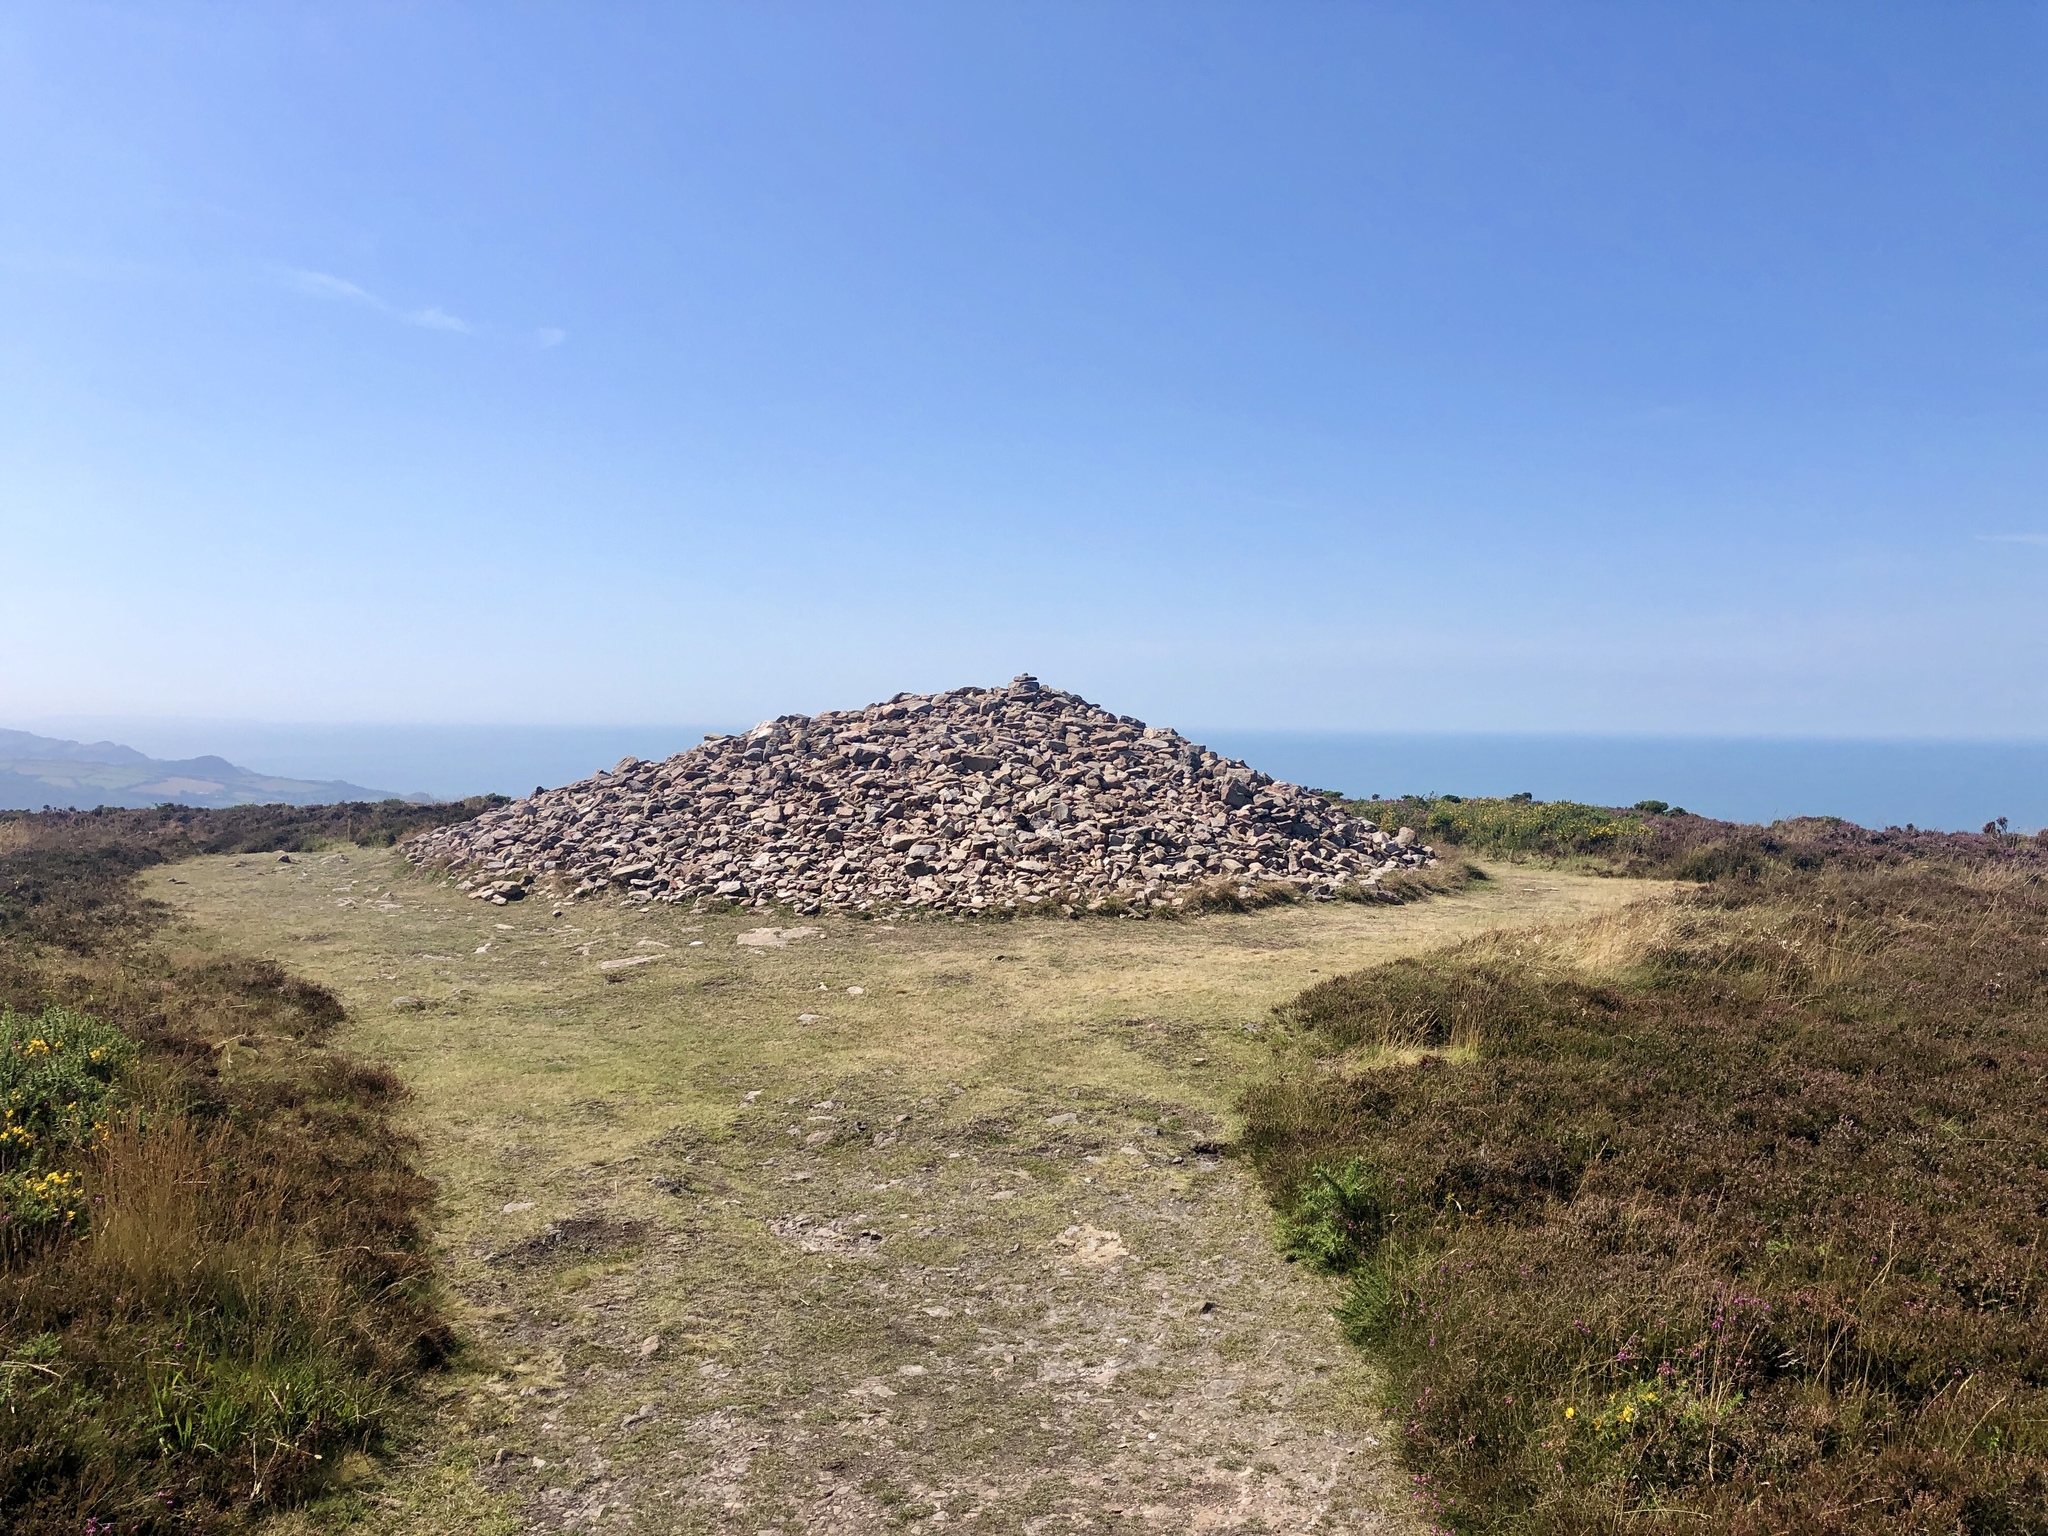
976, 799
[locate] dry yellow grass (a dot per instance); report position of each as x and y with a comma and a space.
145, 1232
882, 1224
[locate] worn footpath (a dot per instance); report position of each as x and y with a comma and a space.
842, 1225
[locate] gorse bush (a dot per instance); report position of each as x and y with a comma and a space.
1513, 826
1741, 1226
58, 1072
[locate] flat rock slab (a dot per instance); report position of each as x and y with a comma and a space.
774, 938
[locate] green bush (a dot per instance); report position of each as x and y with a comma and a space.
1339, 1215
1556, 828
58, 1070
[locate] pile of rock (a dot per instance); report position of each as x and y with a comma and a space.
973, 799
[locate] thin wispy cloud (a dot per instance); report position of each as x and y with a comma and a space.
2014, 538
325, 285
436, 320
550, 336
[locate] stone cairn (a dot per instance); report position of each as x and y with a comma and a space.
965, 801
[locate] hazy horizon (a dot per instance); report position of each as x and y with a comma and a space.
1951, 785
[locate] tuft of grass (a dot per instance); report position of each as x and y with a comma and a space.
1730, 1211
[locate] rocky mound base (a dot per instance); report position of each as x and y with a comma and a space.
973, 799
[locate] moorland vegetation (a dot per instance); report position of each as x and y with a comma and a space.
212, 1277
1724, 1213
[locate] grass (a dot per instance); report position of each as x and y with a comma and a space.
605, 1179
212, 1278
1721, 1214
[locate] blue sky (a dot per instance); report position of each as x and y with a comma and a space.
1567, 368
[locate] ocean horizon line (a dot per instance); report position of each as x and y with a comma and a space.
1949, 783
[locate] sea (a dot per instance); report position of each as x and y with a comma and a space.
1948, 785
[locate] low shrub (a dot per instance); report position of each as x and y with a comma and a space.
58, 1071
1509, 827
1653, 839
1746, 1232
1338, 1217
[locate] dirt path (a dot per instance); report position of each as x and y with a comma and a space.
864, 1227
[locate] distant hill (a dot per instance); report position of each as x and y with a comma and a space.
36, 771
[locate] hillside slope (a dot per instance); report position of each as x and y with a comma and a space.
38, 771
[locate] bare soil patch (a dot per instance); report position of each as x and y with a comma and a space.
577, 1237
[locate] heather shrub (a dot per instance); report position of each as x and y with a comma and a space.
1741, 1228
1650, 838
